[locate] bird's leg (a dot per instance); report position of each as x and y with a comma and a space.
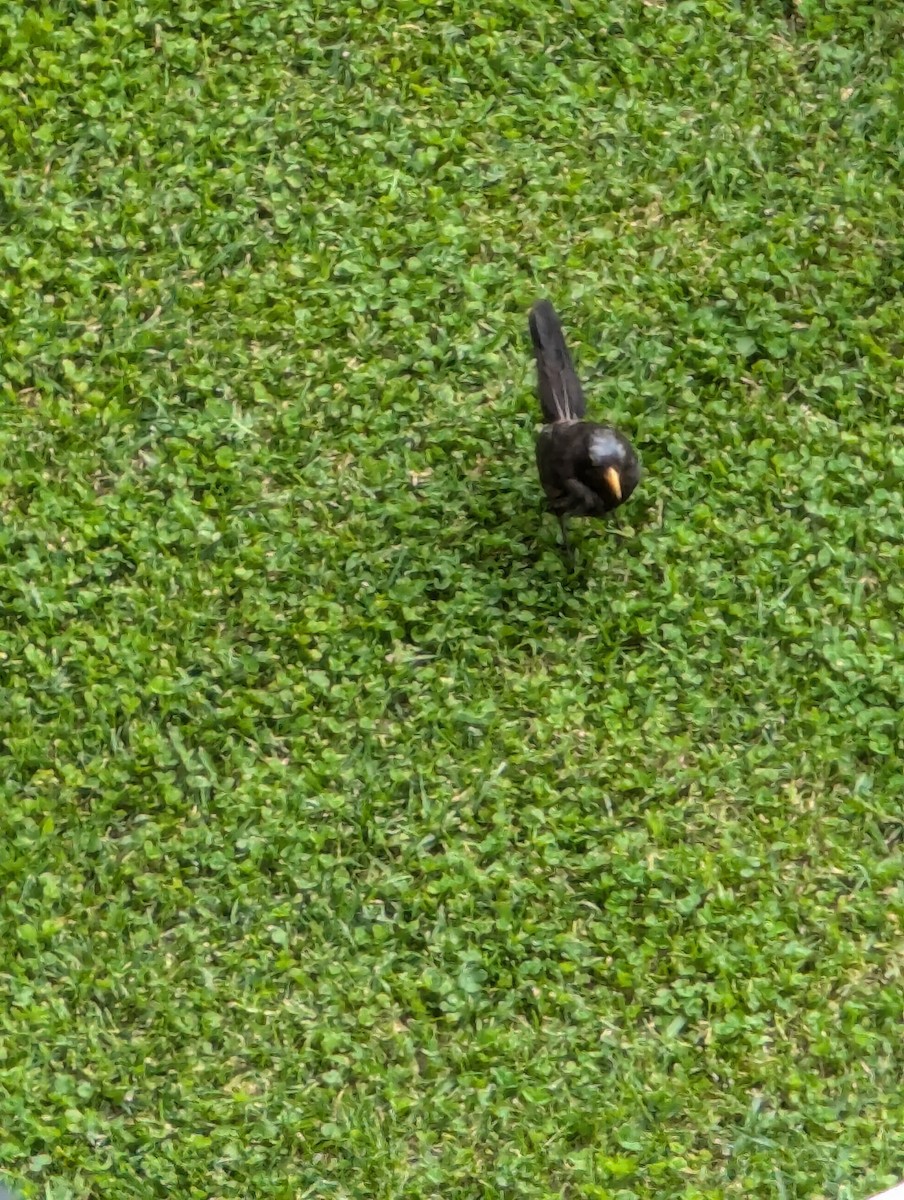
566, 544
541, 525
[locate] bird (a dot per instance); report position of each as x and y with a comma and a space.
586, 469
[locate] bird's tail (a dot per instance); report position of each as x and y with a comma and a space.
558, 387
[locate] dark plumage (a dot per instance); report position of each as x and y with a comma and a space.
586, 469
558, 387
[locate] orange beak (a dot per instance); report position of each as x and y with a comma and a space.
611, 477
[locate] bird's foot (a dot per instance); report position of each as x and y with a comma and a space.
566, 543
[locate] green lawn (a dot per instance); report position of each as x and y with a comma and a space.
351, 846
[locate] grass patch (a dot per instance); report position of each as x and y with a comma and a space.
351, 847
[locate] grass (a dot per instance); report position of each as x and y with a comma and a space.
351, 846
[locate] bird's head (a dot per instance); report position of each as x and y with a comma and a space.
616, 466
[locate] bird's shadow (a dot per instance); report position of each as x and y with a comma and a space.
512, 532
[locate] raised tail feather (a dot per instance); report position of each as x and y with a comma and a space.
558, 387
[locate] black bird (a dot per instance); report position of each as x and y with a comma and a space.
586, 469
